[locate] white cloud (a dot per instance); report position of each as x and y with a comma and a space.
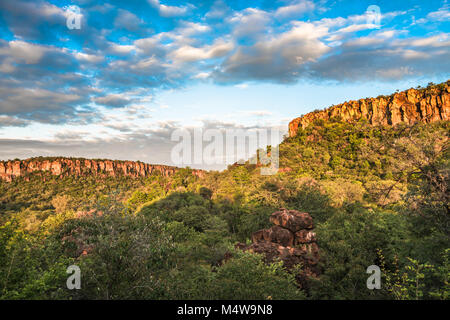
7, 121
202, 75
277, 57
145, 64
168, 11
394, 73
218, 10
113, 100
295, 9
24, 51
356, 27
191, 28
127, 20
242, 86
249, 22
88, 57
188, 53
121, 49
28, 100
147, 45
441, 40
443, 14
259, 113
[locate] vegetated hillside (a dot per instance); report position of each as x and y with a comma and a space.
40, 192
378, 160
377, 195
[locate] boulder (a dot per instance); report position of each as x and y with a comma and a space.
310, 248
290, 256
304, 236
275, 234
292, 220
272, 252
291, 241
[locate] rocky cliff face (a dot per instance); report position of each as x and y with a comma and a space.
424, 105
78, 167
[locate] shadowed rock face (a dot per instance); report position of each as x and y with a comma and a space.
304, 236
292, 220
83, 167
275, 234
410, 106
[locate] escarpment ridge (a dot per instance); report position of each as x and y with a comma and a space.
60, 166
411, 106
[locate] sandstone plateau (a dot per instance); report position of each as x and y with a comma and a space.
79, 167
411, 106
290, 240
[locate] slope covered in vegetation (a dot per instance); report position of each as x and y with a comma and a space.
378, 195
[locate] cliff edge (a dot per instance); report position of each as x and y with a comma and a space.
411, 106
81, 167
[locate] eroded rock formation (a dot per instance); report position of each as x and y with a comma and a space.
290, 240
410, 106
78, 167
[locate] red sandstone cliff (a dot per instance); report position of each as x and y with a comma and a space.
66, 166
414, 105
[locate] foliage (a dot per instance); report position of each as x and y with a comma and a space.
378, 195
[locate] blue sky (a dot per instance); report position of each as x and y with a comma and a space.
137, 69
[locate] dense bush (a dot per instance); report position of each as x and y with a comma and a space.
378, 195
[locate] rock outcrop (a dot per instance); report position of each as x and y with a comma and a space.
411, 106
82, 167
290, 240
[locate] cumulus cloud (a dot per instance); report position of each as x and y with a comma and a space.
328, 49
54, 75
295, 9
113, 100
39, 104
443, 14
169, 11
121, 49
32, 19
276, 58
149, 46
249, 22
202, 75
92, 58
188, 53
23, 51
136, 72
242, 85
259, 113
7, 121
218, 10
127, 20
191, 28
438, 41
384, 58
41, 82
